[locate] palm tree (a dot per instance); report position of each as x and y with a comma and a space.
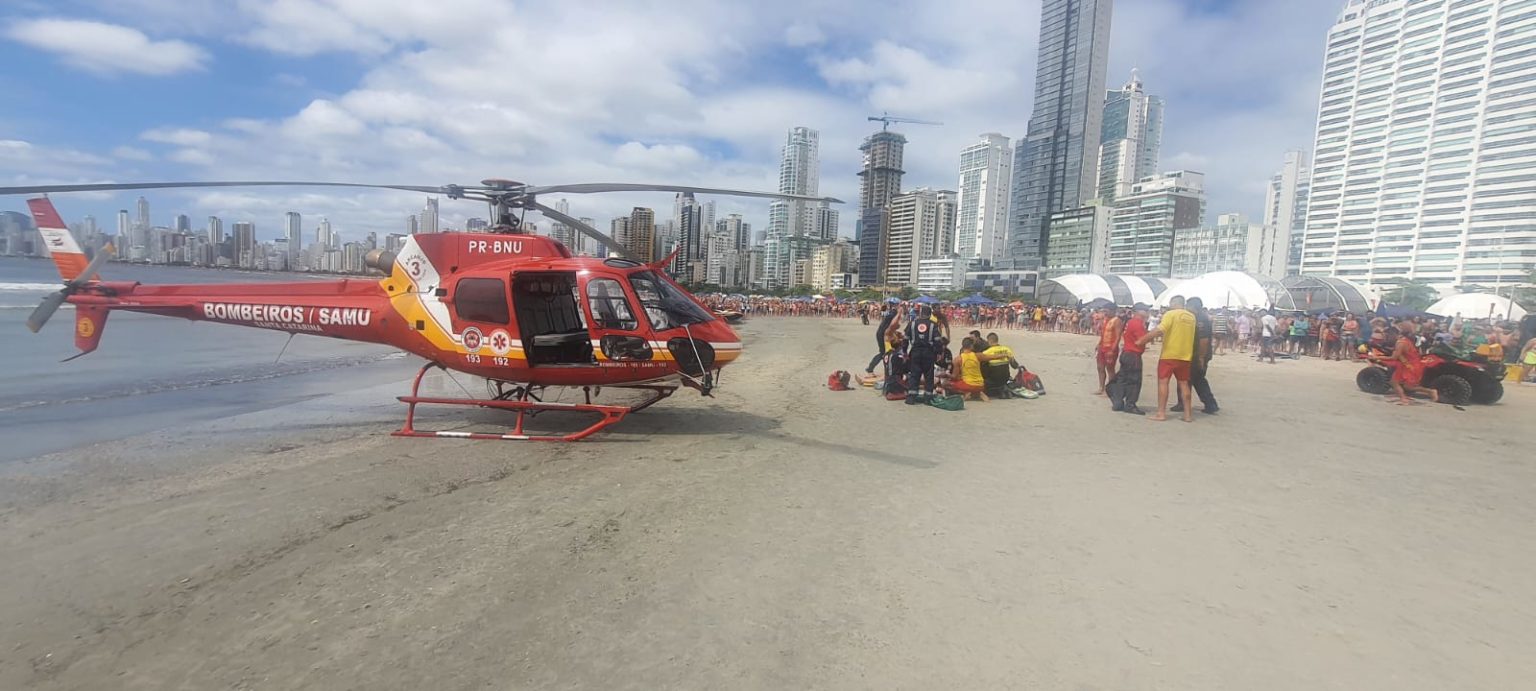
1416, 295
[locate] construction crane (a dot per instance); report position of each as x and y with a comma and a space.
887, 119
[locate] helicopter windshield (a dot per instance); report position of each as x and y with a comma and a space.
665, 304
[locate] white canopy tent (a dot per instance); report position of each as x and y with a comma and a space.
1071, 290
1231, 290
1477, 306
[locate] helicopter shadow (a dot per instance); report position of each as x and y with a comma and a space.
660, 421
714, 421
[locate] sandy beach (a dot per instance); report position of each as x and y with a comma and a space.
784, 536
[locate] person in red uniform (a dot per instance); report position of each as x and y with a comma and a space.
1125, 389
1408, 376
1109, 345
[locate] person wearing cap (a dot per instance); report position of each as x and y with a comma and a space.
1201, 365
1177, 329
1125, 389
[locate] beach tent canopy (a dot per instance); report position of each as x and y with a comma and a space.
1232, 290
925, 300
1072, 290
976, 300
1477, 306
1316, 292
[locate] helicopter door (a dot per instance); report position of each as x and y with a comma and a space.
549, 318
614, 324
481, 318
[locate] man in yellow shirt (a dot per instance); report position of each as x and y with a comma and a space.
1177, 329
996, 363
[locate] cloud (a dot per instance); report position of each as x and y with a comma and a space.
177, 136
128, 153
674, 158
107, 48
550, 91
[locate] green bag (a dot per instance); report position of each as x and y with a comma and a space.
947, 402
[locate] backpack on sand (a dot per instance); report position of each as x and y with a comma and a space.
838, 381
1029, 381
948, 402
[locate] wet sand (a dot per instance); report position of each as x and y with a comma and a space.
784, 536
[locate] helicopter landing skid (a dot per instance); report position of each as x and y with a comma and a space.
524, 402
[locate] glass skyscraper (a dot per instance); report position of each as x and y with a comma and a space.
1055, 166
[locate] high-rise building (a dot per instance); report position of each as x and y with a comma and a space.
1131, 137
124, 232
325, 237
879, 181
922, 226
799, 173
1233, 244
1145, 222
215, 229
1285, 207
293, 227
828, 260
981, 216
1055, 166
737, 230
476, 225
143, 220
618, 229
586, 246
183, 223
1077, 241
560, 232
1422, 162
641, 240
429, 217
690, 229
243, 244
412, 225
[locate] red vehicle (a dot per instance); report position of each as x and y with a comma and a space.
516, 309
1459, 379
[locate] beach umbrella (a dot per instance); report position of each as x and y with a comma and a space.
976, 300
925, 300
1099, 303
1477, 306
892, 301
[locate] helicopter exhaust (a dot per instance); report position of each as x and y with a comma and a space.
381, 260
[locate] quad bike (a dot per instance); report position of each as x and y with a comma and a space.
1459, 378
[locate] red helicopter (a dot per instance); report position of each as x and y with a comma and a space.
516, 309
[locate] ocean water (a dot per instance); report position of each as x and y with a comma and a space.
151, 373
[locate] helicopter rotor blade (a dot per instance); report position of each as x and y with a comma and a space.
116, 186
594, 187
90, 269
608, 242
45, 310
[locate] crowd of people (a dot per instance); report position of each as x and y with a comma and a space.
919, 364
917, 356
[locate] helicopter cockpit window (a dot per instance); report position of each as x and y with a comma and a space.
481, 300
665, 304
610, 308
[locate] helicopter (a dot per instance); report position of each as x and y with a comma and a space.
516, 309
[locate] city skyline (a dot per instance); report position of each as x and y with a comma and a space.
858, 62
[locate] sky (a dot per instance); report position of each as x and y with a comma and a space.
664, 91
